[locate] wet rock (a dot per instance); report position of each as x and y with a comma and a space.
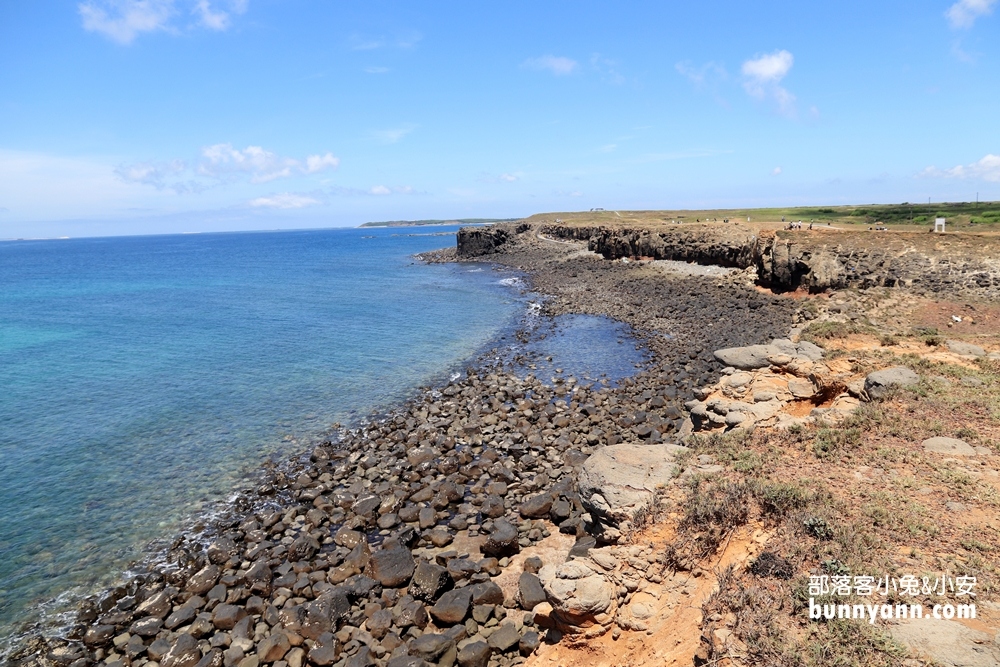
502, 541
358, 586
323, 614
304, 548
221, 550
203, 580
429, 581
392, 567
150, 626
258, 578
183, 653
98, 635
157, 605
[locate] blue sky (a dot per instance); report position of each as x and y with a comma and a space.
151, 116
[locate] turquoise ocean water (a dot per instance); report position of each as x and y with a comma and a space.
144, 378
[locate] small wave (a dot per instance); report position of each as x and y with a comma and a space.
474, 271
512, 282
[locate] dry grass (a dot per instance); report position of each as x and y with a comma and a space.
860, 498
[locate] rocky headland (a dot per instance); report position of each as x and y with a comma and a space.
503, 518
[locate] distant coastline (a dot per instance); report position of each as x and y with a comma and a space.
421, 223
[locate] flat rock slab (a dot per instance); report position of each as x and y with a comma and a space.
762, 356
952, 446
948, 643
965, 349
800, 388
618, 482
879, 383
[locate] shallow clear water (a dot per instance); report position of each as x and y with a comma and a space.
590, 348
141, 377
144, 378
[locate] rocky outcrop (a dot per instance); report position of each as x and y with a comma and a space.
582, 596
787, 261
880, 383
477, 241
761, 382
618, 483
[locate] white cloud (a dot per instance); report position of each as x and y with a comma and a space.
508, 178
220, 163
963, 14
985, 169
558, 65
375, 191
263, 165
762, 79
123, 20
376, 70
608, 148
220, 160
161, 175
285, 200
776, 171
317, 163
394, 134
218, 19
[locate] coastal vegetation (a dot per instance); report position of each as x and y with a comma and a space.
966, 216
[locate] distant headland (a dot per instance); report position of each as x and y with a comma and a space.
419, 223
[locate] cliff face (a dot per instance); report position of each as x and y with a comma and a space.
476, 241
809, 260
784, 261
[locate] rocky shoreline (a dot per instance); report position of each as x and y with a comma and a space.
453, 530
